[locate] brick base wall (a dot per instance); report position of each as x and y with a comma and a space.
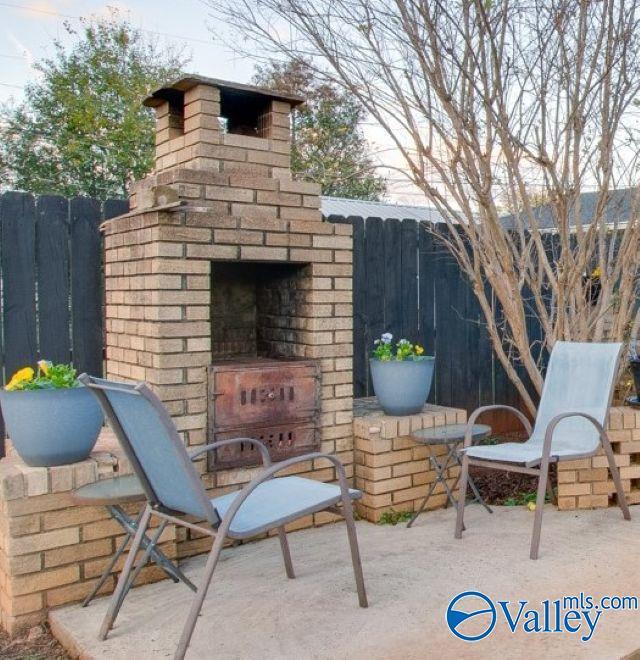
53, 552
587, 484
392, 470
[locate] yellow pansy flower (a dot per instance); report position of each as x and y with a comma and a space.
419, 350
20, 376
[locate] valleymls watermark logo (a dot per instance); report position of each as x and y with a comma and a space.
472, 615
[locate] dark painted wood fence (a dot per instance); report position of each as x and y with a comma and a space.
407, 283
51, 280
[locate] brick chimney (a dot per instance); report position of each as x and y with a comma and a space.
218, 127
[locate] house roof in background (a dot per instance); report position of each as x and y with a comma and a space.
386, 210
618, 209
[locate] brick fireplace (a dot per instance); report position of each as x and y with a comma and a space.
224, 256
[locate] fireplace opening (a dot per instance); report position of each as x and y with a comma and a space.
260, 385
255, 309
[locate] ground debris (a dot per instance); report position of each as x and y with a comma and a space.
36, 644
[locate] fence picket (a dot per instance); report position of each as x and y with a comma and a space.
86, 298
393, 278
52, 260
19, 282
410, 327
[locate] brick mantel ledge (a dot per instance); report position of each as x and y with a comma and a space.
52, 552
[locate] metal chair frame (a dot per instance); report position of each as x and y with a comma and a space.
215, 526
539, 467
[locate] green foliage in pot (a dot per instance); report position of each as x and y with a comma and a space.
47, 376
385, 350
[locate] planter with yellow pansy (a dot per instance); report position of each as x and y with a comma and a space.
51, 418
401, 374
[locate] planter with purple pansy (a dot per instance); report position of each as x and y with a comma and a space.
402, 375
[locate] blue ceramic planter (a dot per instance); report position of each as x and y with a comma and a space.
52, 427
402, 387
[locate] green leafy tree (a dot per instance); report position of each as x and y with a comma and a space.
81, 129
328, 145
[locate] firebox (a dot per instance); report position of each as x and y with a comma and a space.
275, 401
256, 387
255, 308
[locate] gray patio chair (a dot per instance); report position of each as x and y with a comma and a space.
571, 422
173, 490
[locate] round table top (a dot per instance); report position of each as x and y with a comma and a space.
119, 490
442, 435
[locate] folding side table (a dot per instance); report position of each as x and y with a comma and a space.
452, 436
113, 493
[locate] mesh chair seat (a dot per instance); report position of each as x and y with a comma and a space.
527, 453
278, 501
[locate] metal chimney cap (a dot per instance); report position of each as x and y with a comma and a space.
169, 92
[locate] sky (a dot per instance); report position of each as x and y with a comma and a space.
28, 29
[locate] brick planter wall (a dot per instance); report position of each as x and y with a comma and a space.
586, 483
52, 552
392, 469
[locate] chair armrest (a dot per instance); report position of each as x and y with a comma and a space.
480, 411
273, 469
264, 452
551, 427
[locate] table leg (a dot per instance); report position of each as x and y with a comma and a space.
107, 571
451, 456
157, 556
472, 484
139, 566
441, 477
426, 498
477, 496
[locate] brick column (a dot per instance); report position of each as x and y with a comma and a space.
392, 469
586, 483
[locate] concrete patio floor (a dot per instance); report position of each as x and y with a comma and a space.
253, 611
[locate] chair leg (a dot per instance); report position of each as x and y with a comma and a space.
347, 512
286, 555
537, 523
462, 496
198, 599
116, 599
615, 474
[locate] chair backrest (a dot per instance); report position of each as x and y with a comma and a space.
580, 378
150, 440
